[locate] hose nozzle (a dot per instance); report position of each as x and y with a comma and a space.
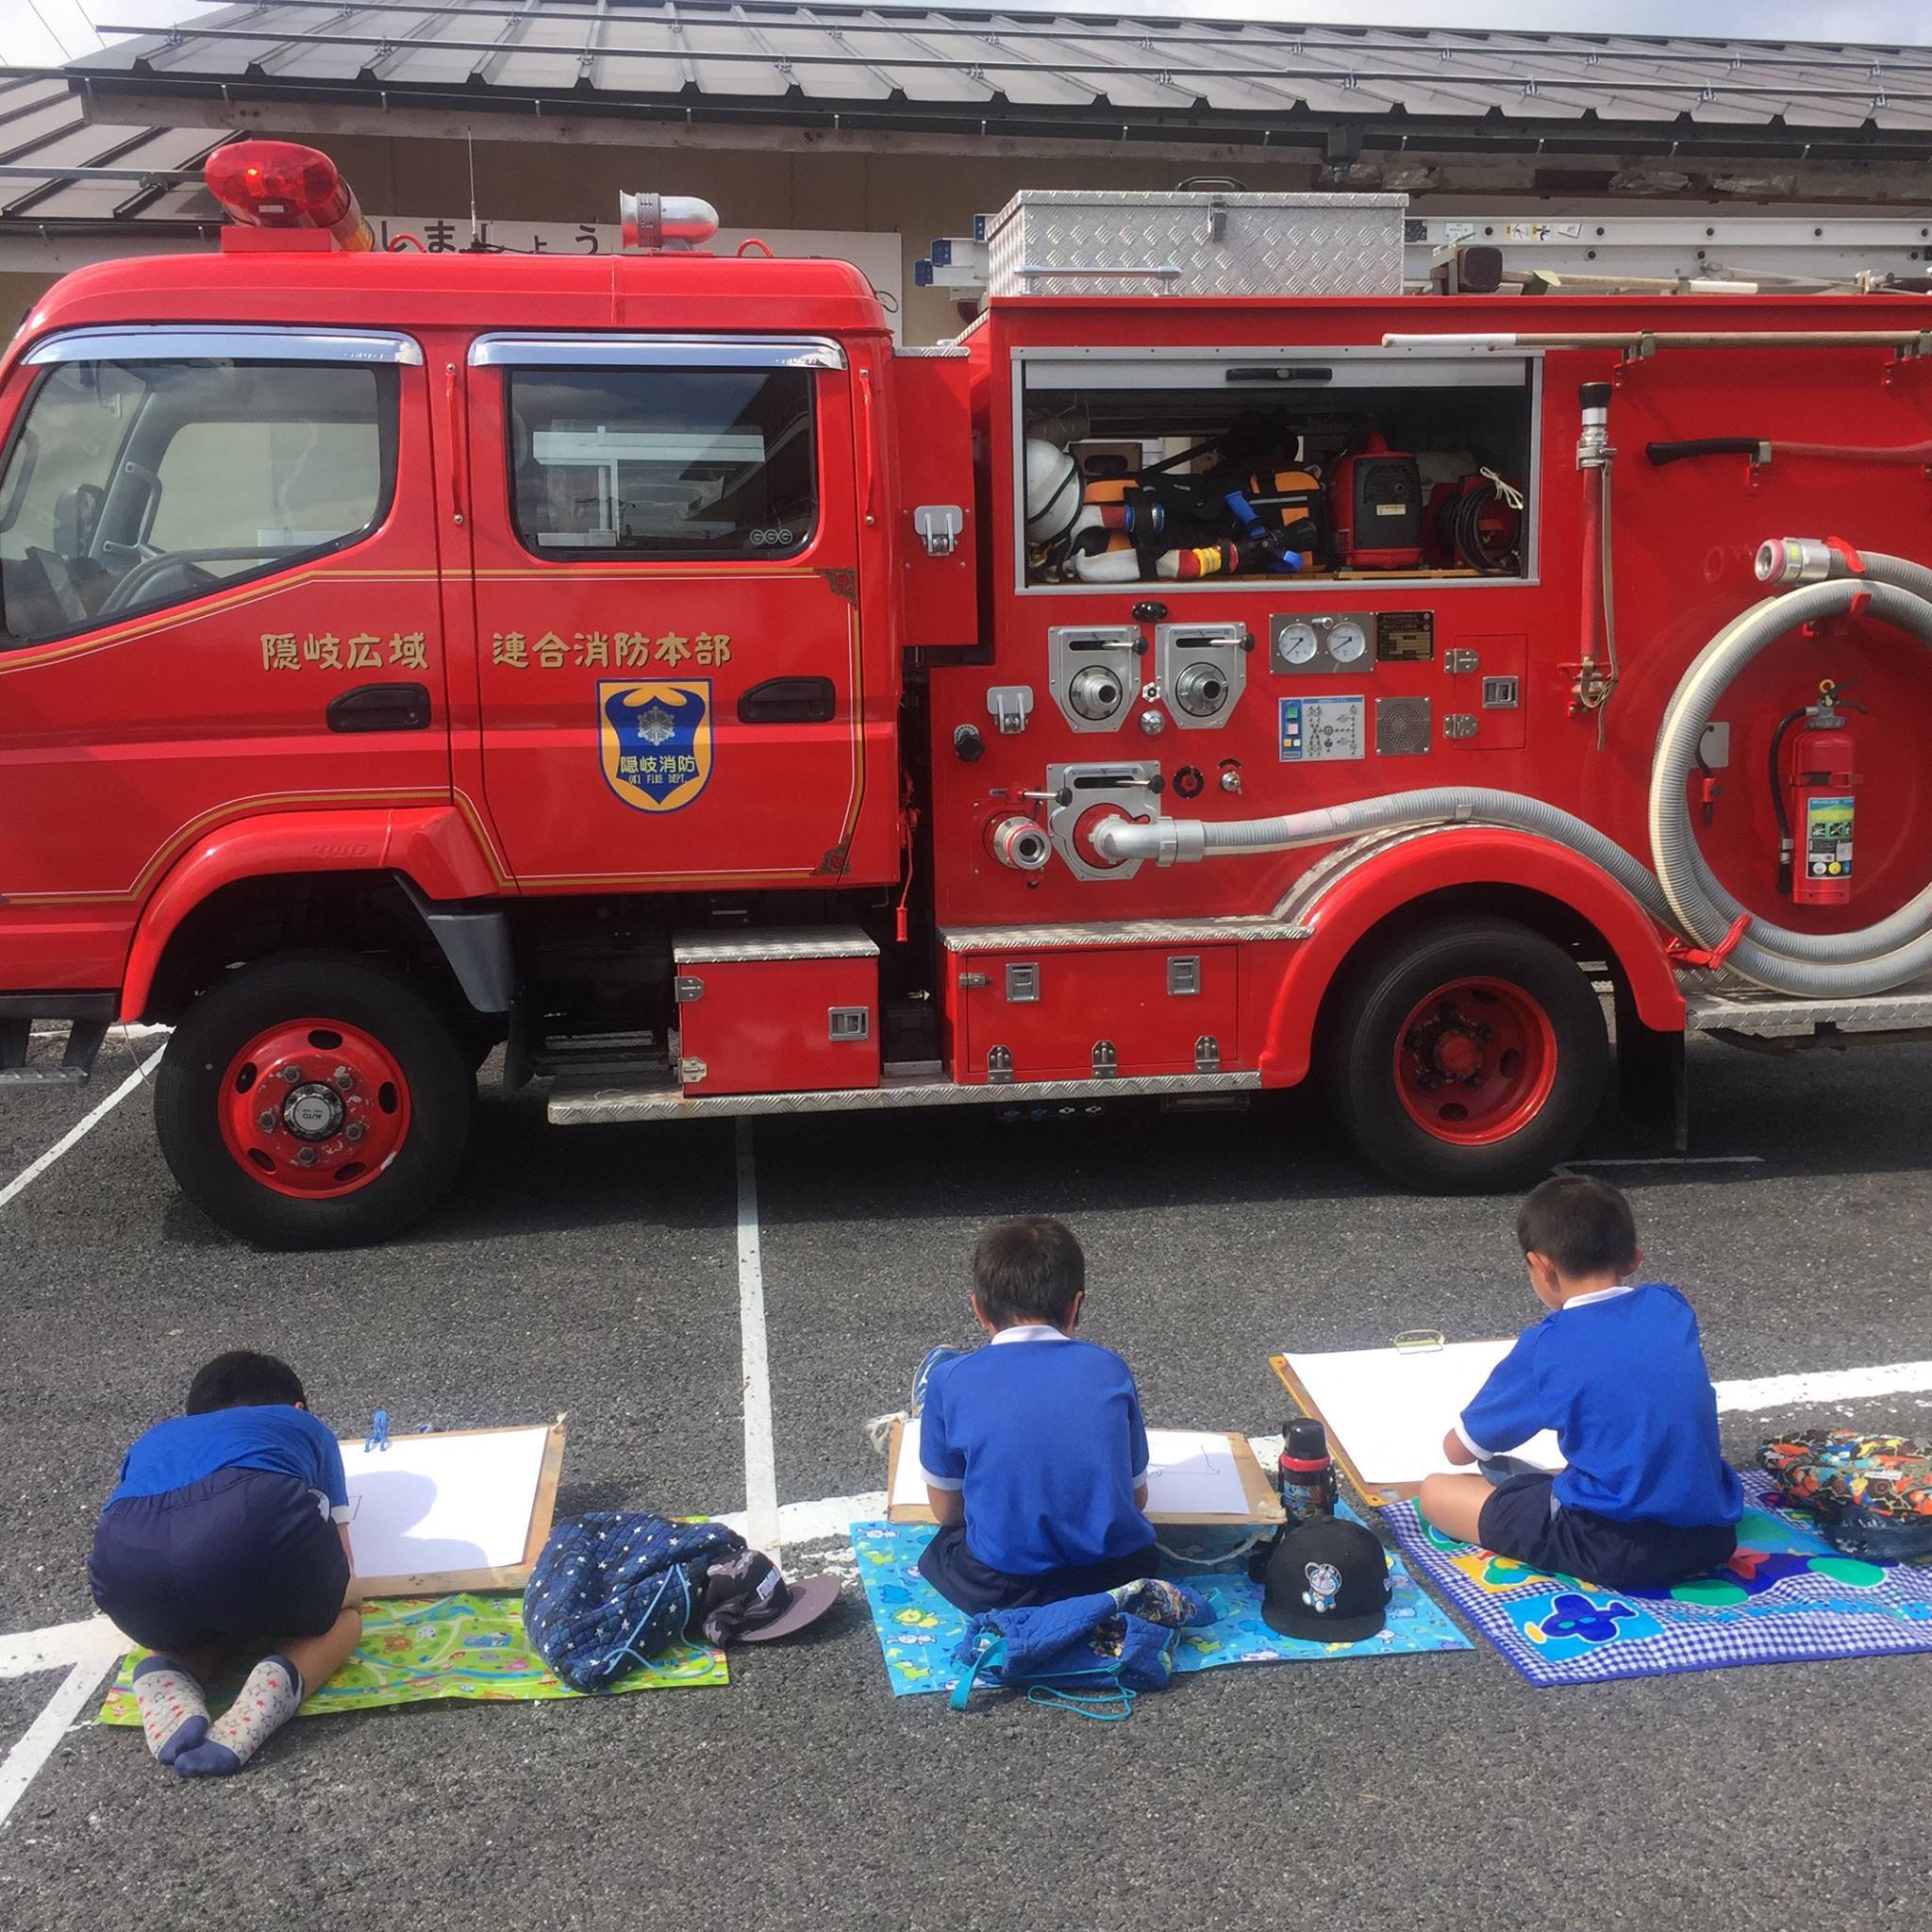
1785, 562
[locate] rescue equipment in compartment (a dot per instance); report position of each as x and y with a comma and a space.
1813, 796
1376, 502
1809, 580
281, 184
1104, 523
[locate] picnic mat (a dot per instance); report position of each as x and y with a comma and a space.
417, 1649
1786, 1597
919, 1630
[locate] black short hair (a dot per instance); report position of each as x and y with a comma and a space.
243, 1379
1027, 1270
1585, 1226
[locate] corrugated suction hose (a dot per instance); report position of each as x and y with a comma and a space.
1682, 893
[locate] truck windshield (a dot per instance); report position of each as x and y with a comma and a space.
130, 486
664, 462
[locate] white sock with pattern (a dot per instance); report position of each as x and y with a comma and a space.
174, 1713
265, 1703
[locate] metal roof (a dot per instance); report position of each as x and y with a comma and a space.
1043, 76
60, 170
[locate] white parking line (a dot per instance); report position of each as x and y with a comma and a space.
763, 1527
1826, 1385
80, 1130
21, 1764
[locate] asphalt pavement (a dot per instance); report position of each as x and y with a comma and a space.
594, 1272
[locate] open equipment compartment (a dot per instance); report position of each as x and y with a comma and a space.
1277, 466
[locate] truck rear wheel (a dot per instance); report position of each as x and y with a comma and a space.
1469, 1057
314, 1101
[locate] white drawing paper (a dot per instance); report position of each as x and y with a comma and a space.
428, 1503
1389, 1408
1190, 1473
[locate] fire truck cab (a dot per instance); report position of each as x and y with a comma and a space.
636, 663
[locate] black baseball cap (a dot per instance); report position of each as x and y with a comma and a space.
1327, 1581
746, 1599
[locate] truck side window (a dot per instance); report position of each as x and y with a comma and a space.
131, 485
663, 462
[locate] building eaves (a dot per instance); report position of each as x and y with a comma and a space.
766, 61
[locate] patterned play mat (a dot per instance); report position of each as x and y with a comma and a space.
919, 1630
417, 1649
1786, 1597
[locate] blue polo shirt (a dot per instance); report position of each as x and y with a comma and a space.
1043, 1435
1620, 1377
273, 1436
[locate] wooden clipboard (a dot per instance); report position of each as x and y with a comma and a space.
1373, 1493
1264, 1507
504, 1576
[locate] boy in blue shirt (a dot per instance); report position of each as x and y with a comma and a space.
1616, 1370
1032, 1448
229, 1531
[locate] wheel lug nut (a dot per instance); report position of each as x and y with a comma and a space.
354, 1131
266, 1120
344, 1078
305, 1157
292, 1074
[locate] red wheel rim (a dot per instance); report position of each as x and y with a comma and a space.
314, 1108
1476, 1062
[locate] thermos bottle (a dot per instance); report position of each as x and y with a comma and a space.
1306, 1476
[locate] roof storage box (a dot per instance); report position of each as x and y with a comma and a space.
1068, 242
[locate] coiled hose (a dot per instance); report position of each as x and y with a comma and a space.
1682, 892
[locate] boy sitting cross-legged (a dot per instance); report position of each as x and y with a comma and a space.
228, 1533
1617, 1369
1032, 1448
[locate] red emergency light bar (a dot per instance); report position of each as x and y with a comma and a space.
281, 184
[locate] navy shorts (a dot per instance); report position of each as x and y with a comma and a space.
1517, 1521
968, 1584
242, 1553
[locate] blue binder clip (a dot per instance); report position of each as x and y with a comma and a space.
378, 1432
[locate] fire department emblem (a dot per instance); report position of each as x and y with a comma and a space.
654, 742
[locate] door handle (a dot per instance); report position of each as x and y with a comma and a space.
788, 701
381, 707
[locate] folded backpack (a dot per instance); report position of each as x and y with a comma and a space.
1872, 1495
613, 1589
1094, 1654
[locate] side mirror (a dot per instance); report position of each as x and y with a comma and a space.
19, 474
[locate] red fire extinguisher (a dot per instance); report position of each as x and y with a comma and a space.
1817, 784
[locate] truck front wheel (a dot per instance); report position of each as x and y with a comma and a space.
314, 1101
1468, 1057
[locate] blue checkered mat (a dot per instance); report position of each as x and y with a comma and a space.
1786, 1597
919, 1630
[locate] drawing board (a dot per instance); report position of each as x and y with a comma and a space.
1194, 1475
1387, 1409
462, 1509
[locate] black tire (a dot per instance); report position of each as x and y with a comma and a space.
358, 992
1383, 988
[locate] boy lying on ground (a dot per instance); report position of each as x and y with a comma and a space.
1616, 1370
228, 1534
1032, 1448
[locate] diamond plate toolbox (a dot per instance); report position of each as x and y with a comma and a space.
1067, 242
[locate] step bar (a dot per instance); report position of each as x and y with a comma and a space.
920, 1084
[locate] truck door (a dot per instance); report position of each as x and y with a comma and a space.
218, 597
667, 610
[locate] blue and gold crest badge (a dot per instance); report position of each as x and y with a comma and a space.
654, 742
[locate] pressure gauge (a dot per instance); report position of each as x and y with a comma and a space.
1348, 643
1294, 643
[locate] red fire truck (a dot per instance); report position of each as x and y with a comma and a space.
1216, 669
